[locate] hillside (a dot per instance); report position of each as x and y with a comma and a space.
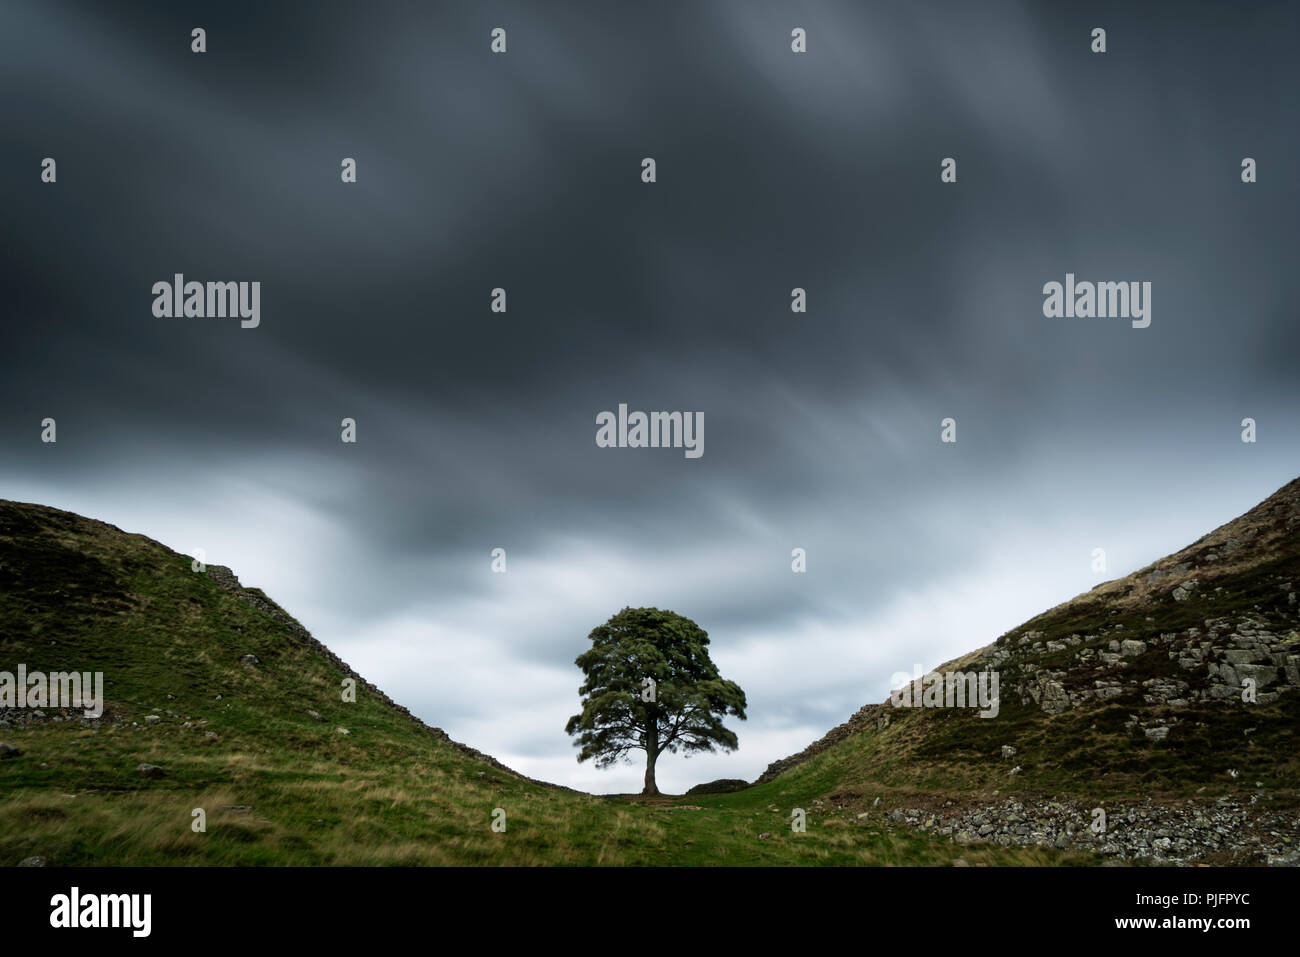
1127, 697
285, 771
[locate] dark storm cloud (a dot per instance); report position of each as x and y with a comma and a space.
775, 171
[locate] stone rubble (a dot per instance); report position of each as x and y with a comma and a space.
1174, 834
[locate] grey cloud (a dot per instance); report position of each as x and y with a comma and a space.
477, 430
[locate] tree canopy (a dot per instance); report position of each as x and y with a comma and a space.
651, 686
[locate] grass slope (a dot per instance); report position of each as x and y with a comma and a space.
278, 786
1246, 574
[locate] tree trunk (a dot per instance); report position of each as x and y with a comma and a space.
651, 755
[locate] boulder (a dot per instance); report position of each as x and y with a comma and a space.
720, 786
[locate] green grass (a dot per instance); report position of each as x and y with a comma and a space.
279, 787
79, 595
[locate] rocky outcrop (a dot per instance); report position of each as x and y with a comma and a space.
1239, 580
1209, 663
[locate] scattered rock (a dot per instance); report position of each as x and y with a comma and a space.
152, 719
1147, 831
8, 751
249, 660
33, 862
150, 771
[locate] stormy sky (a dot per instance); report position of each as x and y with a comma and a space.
775, 170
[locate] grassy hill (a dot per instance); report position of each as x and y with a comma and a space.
288, 773
1126, 698
278, 786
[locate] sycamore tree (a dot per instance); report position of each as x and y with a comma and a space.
651, 687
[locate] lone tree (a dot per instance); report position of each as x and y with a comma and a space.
651, 686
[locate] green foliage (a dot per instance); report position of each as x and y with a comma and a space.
622, 711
